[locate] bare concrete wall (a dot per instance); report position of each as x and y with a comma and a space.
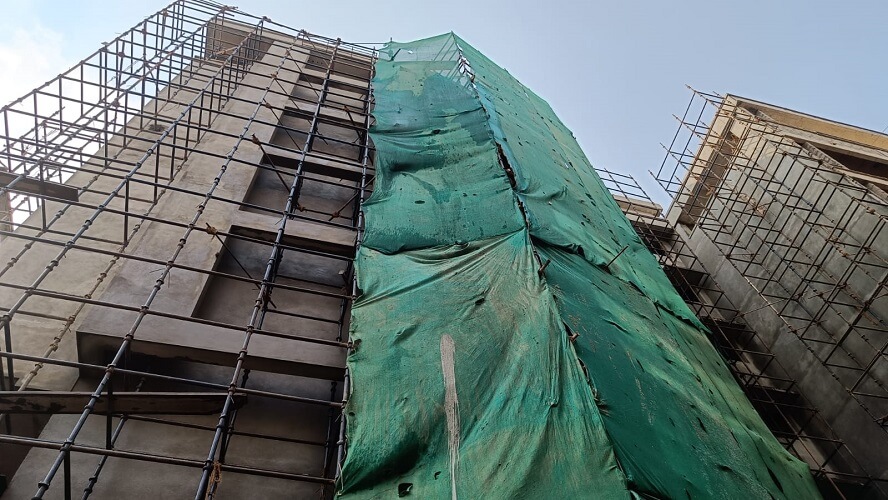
783, 237
202, 351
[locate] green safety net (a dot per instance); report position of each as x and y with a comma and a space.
465, 380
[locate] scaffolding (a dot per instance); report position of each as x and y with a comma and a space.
126, 164
801, 230
790, 416
108, 144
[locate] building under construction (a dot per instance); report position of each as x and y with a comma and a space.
241, 260
777, 231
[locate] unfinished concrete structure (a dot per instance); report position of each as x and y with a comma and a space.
777, 233
182, 213
159, 191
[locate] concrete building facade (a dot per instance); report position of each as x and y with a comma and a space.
780, 219
182, 213
158, 193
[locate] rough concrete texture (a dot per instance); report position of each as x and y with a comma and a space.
81, 273
181, 293
203, 351
124, 478
797, 233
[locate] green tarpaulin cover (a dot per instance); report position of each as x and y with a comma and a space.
465, 380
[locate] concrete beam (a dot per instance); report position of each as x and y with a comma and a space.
37, 187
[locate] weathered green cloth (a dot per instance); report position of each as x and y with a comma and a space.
465, 383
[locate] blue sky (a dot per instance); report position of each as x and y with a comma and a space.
615, 72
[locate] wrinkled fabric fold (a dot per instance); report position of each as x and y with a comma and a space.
477, 375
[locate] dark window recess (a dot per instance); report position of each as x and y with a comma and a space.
339, 95
318, 60
344, 65
331, 138
719, 162
320, 197
861, 165
11, 457
299, 312
684, 281
653, 244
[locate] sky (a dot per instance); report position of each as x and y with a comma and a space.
615, 72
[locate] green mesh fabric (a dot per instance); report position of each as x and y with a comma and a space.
438, 178
464, 381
